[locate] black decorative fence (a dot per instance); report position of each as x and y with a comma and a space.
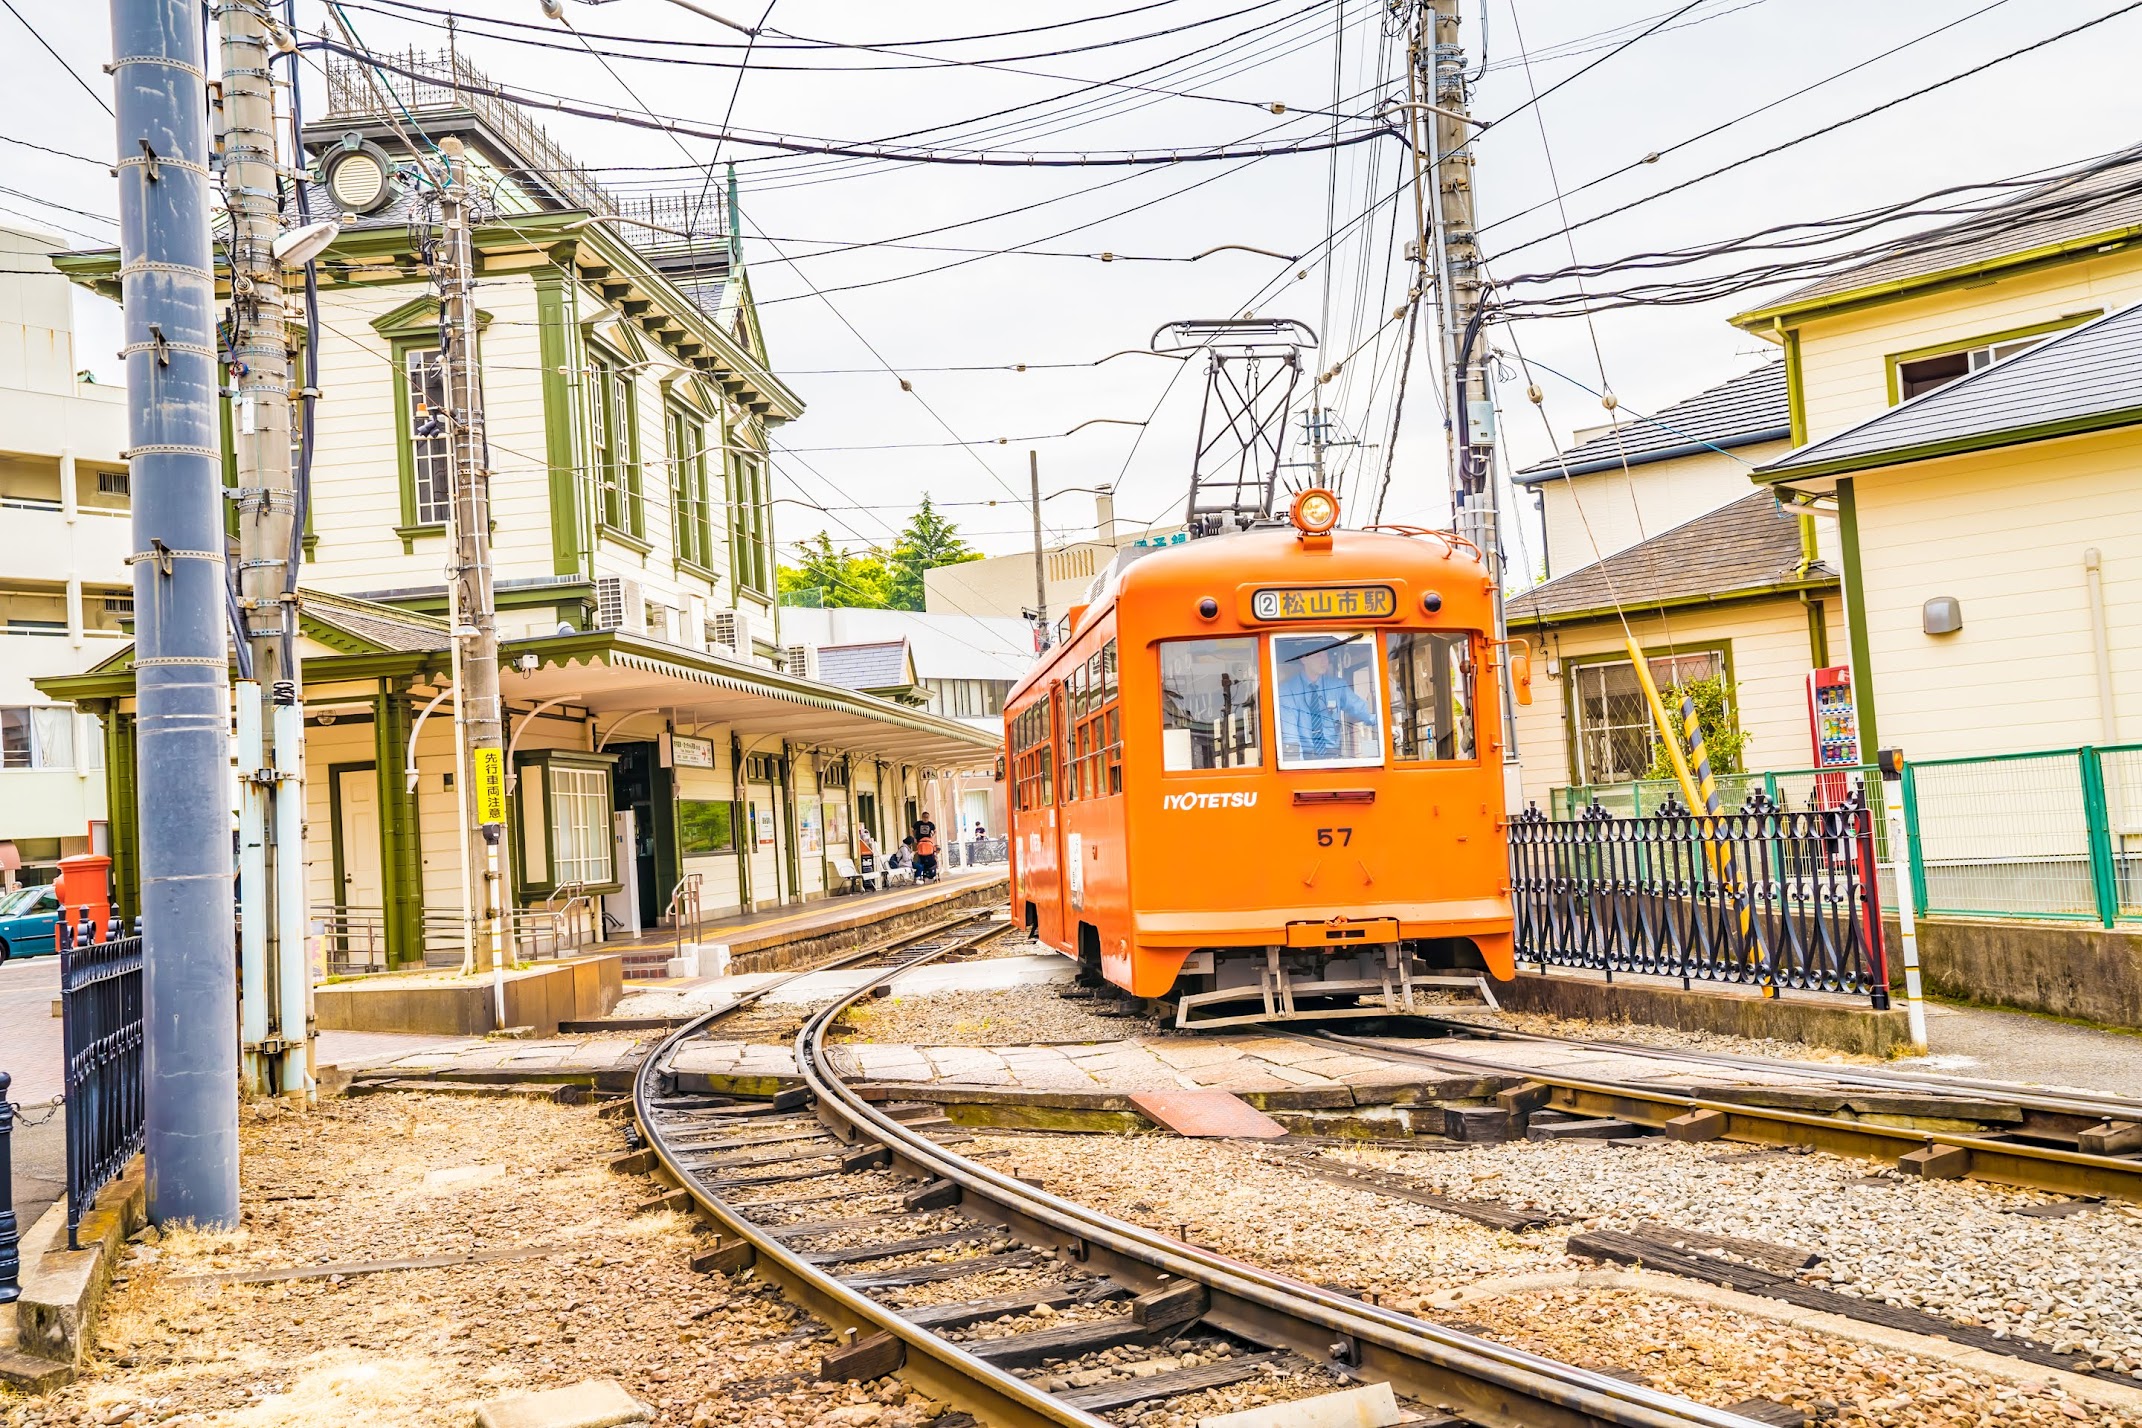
1764, 896
10, 1232
100, 999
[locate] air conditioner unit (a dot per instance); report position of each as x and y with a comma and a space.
694, 631
619, 606
800, 660
731, 630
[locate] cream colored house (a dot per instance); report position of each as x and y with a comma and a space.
1994, 491
1652, 520
65, 591
657, 742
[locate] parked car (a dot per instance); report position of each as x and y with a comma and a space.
28, 917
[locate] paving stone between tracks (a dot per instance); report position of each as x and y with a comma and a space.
422, 1348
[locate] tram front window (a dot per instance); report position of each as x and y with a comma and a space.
1324, 692
1431, 695
1208, 705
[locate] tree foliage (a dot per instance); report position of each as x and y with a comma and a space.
930, 540
1722, 739
840, 577
877, 578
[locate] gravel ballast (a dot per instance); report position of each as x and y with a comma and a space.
394, 1176
1948, 1248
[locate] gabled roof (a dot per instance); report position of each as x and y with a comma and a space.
2074, 214
1750, 408
367, 627
882, 664
1747, 548
2088, 378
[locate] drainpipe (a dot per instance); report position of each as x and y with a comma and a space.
2101, 642
190, 1020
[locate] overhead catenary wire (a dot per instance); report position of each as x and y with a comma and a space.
46, 45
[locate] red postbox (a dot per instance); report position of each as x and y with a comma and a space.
85, 882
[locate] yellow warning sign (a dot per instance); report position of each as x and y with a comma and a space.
490, 785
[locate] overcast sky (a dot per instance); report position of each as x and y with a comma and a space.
2068, 101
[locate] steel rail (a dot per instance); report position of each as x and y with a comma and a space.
2067, 1172
935, 1365
1492, 1384
2094, 1104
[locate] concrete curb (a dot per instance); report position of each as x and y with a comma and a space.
62, 1289
1844, 1024
2102, 1392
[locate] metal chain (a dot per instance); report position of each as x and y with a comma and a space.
52, 1108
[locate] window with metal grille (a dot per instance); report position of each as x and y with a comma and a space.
430, 456
1613, 721
113, 483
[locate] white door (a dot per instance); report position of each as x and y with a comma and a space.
357, 791
974, 813
624, 904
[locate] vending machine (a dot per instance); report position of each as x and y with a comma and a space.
1833, 724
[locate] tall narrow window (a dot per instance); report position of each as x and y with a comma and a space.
688, 488
748, 516
430, 456
614, 444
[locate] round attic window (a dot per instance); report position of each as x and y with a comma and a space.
358, 180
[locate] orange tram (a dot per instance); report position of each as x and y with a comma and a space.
1262, 776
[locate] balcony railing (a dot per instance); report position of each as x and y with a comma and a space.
690, 223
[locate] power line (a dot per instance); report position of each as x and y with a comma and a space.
72, 73
1117, 158
1828, 128
1575, 75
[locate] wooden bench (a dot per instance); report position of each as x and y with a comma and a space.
848, 873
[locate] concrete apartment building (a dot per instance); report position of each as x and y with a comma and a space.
65, 590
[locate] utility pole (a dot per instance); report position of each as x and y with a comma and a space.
475, 617
1475, 502
181, 653
1041, 573
275, 978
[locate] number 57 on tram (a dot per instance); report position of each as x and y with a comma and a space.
1262, 776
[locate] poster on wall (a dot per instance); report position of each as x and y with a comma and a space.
836, 826
807, 827
763, 818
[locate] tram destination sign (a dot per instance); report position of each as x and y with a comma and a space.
1325, 602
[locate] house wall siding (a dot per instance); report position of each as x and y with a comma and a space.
1769, 654
2004, 532
1843, 359
1593, 516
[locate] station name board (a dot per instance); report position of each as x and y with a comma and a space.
1326, 602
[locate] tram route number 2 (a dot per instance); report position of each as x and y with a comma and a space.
1325, 837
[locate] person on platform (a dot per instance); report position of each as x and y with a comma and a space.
925, 838
1318, 705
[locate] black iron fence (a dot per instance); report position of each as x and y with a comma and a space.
1764, 896
10, 1232
100, 1001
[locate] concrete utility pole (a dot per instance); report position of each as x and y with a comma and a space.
181, 670
1041, 572
1475, 502
274, 977
475, 630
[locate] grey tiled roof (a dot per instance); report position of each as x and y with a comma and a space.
1749, 545
1748, 409
2091, 375
2084, 205
380, 625
879, 665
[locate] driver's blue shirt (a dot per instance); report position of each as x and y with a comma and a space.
1313, 715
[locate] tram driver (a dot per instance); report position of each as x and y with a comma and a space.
1322, 715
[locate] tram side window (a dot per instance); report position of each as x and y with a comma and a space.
1209, 718
1324, 696
1098, 753
1431, 695
1034, 754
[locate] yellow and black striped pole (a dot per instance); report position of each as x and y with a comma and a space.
1700, 787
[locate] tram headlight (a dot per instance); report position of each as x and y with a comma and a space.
1316, 511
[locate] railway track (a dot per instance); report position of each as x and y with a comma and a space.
2045, 1150
851, 1206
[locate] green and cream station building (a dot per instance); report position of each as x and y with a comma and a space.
628, 397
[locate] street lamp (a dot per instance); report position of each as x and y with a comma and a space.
555, 9
1390, 104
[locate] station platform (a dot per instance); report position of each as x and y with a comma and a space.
780, 937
